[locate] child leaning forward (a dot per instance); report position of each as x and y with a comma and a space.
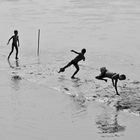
111, 75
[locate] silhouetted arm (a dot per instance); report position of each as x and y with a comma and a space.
9, 40
75, 51
18, 41
83, 58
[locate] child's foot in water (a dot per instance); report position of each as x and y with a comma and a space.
61, 70
72, 77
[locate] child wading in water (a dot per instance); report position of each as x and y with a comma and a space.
75, 61
113, 76
15, 44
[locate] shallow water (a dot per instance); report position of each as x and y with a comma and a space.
108, 29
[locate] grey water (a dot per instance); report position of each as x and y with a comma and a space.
108, 29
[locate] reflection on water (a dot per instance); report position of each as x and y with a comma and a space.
108, 124
16, 82
78, 104
79, 108
130, 98
15, 79
15, 102
12, 65
17, 63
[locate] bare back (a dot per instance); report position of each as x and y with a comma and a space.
79, 58
109, 74
15, 39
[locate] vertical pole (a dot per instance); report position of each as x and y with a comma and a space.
38, 42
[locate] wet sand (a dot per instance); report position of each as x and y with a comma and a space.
38, 106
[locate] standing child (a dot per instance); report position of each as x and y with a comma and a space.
75, 61
15, 44
113, 76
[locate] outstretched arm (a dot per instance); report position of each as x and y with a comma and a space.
75, 51
9, 40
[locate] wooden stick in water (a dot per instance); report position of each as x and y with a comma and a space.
38, 42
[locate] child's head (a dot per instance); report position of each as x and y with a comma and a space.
15, 32
83, 51
103, 69
122, 77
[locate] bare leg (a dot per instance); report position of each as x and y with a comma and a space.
16, 52
10, 64
101, 78
116, 90
63, 69
77, 69
69, 64
11, 52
